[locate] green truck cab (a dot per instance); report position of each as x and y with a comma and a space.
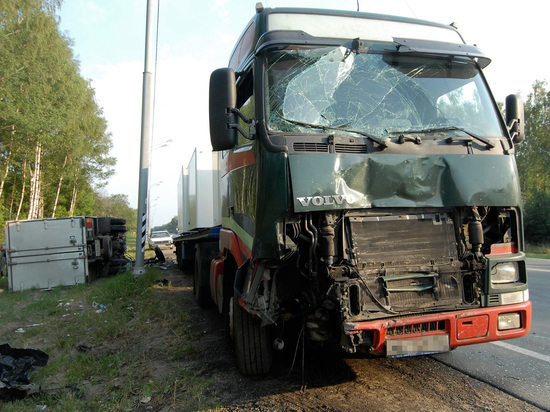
368, 187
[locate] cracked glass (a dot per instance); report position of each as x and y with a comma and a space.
315, 90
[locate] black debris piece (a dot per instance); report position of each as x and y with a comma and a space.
16, 368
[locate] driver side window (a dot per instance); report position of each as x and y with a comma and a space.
245, 103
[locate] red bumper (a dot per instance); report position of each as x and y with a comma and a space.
463, 328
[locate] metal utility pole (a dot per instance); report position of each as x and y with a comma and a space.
146, 132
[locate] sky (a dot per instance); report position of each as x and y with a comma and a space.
197, 37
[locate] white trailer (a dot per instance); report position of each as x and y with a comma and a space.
198, 196
199, 218
44, 253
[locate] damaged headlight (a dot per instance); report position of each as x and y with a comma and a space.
504, 273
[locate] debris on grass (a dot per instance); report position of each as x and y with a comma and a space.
16, 368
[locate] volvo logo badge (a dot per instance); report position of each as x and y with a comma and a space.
326, 200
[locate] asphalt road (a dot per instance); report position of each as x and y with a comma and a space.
520, 367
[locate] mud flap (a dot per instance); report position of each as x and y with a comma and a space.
240, 277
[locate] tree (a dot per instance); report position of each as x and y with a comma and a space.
534, 164
532, 154
537, 218
171, 226
116, 206
54, 144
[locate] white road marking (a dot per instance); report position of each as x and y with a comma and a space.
523, 351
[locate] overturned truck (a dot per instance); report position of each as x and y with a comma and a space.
44, 253
367, 189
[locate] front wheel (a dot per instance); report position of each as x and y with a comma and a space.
252, 343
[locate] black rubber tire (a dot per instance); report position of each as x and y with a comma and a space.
252, 344
159, 255
107, 247
118, 228
116, 269
201, 289
94, 271
119, 262
103, 224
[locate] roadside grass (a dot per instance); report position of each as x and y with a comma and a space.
131, 246
107, 342
540, 251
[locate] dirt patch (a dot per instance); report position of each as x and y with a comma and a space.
329, 380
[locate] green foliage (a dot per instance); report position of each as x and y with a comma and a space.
534, 164
54, 144
171, 226
116, 206
540, 251
537, 218
532, 154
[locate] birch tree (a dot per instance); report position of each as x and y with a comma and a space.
54, 144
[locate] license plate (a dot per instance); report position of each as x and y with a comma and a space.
422, 345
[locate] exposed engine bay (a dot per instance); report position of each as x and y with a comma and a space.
362, 265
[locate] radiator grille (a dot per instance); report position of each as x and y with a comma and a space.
415, 240
416, 328
408, 262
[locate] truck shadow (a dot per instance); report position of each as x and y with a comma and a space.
294, 368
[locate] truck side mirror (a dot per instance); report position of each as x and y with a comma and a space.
223, 97
515, 118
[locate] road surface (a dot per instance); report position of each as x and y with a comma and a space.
520, 367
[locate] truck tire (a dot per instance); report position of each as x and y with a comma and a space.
201, 277
107, 247
99, 269
116, 269
119, 262
94, 271
103, 224
118, 228
118, 221
252, 343
183, 263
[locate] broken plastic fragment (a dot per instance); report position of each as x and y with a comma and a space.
16, 368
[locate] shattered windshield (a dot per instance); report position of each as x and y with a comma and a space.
316, 90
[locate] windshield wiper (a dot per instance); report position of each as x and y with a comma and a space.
376, 139
450, 139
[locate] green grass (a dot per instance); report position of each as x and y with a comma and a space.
131, 245
540, 251
120, 346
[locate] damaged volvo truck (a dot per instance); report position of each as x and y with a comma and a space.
368, 189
